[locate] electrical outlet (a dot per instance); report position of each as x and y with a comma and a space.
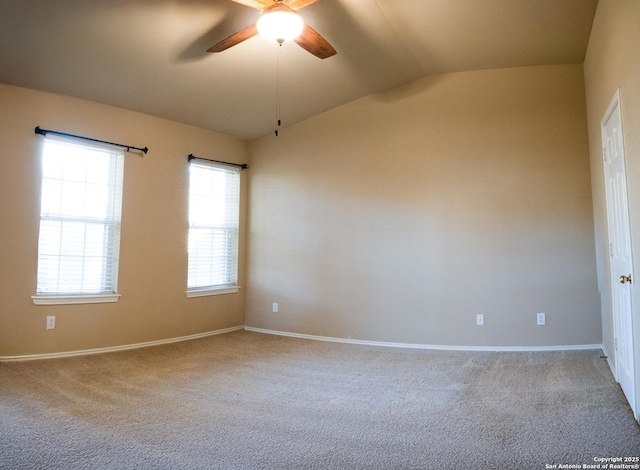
275, 307
480, 319
51, 323
541, 319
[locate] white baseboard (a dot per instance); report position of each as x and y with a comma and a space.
84, 352
611, 364
572, 347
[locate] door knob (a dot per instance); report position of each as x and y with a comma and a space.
625, 279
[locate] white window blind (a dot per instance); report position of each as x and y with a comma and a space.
80, 214
214, 206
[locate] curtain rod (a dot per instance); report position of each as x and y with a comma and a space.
244, 166
128, 147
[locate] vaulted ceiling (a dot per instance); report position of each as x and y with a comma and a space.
150, 55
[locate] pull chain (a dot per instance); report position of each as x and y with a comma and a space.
278, 89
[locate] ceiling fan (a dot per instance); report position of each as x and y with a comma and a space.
291, 28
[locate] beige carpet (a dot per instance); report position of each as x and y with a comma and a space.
250, 401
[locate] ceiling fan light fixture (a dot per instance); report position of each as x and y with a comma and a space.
280, 26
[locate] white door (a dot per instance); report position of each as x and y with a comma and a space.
620, 246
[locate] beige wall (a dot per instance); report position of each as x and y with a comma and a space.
397, 217
402, 215
612, 62
153, 263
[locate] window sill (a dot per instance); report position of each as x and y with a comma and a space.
44, 299
212, 291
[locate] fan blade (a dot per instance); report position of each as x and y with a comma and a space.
242, 35
311, 41
298, 4
257, 4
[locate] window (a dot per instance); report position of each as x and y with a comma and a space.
214, 206
80, 211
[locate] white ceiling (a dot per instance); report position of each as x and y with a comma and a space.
150, 55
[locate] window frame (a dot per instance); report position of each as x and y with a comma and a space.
111, 221
227, 287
